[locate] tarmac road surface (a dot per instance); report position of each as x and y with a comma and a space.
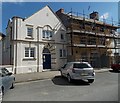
105, 88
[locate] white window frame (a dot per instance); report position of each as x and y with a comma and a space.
29, 52
30, 35
62, 36
47, 34
62, 53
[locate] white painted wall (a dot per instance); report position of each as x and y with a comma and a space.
119, 45
38, 20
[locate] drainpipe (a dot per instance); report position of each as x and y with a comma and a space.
15, 71
38, 49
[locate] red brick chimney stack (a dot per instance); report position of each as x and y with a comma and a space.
60, 11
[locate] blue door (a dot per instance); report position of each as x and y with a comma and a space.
46, 61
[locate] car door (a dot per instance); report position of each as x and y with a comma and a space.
63, 69
66, 69
9, 78
5, 81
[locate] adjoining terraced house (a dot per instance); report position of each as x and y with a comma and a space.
1, 44
36, 43
89, 38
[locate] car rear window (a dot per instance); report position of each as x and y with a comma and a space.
81, 65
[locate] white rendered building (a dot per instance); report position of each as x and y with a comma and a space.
1, 44
36, 43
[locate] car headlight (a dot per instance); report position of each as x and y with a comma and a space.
93, 73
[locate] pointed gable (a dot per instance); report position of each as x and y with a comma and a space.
45, 16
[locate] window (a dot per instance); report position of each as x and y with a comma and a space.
101, 41
47, 34
44, 34
92, 41
62, 37
29, 31
51, 33
118, 41
32, 52
83, 40
29, 52
3, 72
102, 29
62, 53
26, 52
81, 65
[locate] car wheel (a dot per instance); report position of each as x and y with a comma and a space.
115, 70
90, 80
69, 78
2, 91
13, 85
61, 73
1, 94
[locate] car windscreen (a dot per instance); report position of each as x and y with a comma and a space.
81, 65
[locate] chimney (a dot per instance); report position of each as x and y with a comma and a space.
60, 11
94, 15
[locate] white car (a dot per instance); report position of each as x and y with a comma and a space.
7, 80
78, 71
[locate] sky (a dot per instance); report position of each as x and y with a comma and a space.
108, 10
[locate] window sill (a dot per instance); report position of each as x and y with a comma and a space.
63, 57
29, 58
29, 38
49, 39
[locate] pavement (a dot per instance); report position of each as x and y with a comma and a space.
27, 77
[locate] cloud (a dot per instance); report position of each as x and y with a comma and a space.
104, 16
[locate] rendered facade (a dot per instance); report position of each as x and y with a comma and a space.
35, 44
1, 44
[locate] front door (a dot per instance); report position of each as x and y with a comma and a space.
46, 61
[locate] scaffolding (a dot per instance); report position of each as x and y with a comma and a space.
93, 39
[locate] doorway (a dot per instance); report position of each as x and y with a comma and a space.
46, 59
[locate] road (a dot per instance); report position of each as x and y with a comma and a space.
105, 88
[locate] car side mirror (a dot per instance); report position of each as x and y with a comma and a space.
10, 73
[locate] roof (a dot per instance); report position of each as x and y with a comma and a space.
1, 34
35, 13
50, 10
18, 17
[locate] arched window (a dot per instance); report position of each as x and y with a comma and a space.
47, 32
